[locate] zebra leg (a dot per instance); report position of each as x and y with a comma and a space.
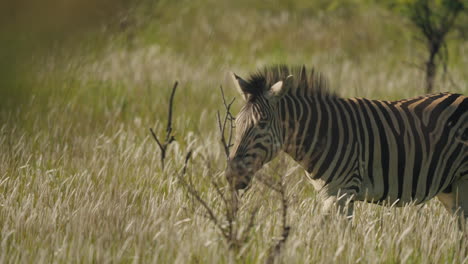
456, 201
342, 197
343, 202
460, 190
448, 200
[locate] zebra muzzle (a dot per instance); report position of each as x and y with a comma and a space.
236, 175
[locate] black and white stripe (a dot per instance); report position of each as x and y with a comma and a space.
402, 151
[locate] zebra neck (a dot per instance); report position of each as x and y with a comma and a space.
310, 129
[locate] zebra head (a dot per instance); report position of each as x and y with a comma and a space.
258, 137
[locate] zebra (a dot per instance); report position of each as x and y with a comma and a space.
353, 149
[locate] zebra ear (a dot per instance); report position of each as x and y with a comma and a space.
280, 88
241, 85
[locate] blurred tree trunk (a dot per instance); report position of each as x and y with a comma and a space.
434, 19
431, 69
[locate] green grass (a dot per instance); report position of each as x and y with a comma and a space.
80, 179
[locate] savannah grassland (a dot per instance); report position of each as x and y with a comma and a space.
80, 178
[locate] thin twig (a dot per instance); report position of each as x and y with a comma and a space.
191, 189
226, 105
251, 224
156, 138
187, 158
221, 127
275, 250
236, 233
228, 117
219, 192
169, 136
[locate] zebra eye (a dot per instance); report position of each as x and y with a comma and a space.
263, 124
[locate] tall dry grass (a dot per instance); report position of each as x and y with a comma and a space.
80, 177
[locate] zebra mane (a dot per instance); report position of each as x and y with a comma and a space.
305, 83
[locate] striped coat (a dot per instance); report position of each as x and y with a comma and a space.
353, 149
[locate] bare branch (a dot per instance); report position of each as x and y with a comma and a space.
212, 216
229, 219
251, 224
275, 250
226, 105
220, 193
221, 127
156, 139
169, 137
228, 117
231, 127
187, 158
